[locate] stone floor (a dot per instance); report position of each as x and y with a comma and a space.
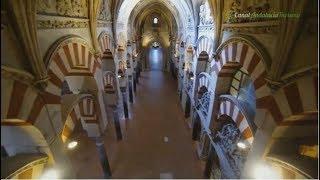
156, 140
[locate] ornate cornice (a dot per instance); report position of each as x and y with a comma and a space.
57, 24
16, 74
267, 27
253, 30
23, 77
291, 77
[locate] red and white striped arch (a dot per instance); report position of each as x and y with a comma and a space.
105, 42
295, 100
85, 112
87, 109
109, 82
21, 101
71, 57
205, 44
296, 103
228, 107
205, 80
241, 53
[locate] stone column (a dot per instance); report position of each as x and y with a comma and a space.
209, 163
130, 89
196, 128
203, 149
117, 124
135, 82
124, 101
103, 158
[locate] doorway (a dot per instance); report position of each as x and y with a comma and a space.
156, 57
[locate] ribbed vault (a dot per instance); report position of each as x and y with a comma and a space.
133, 14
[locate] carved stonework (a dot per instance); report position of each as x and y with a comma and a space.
51, 24
205, 14
229, 136
190, 25
43, 5
104, 11
203, 147
67, 8
253, 30
203, 103
72, 8
206, 25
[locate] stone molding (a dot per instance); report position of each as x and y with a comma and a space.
101, 23
17, 74
267, 27
57, 24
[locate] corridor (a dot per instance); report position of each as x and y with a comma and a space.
155, 58
143, 152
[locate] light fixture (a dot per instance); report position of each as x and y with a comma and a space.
119, 76
192, 78
50, 174
72, 144
241, 145
264, 171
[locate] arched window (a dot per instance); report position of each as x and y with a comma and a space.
155, 20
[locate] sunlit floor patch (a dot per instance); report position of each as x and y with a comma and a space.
166, 176
166, 139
